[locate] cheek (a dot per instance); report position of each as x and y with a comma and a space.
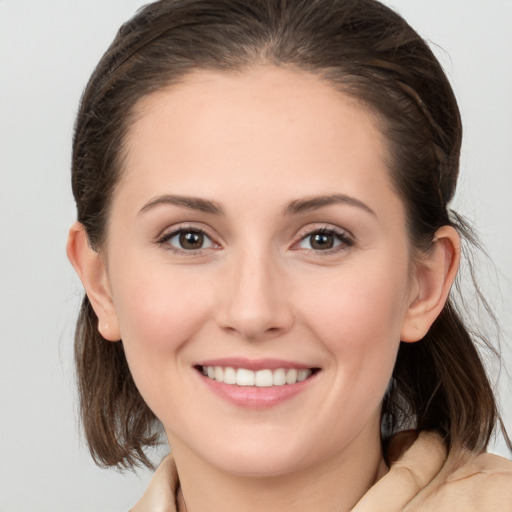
158, 312
159, 303
358, 316
359, 309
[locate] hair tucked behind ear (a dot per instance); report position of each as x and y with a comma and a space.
362, 48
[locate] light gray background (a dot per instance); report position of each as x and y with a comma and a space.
48, 48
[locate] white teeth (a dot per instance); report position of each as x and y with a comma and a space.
261, 378
229, 376
291, 376
219, 374
303, 375
279, 377
244, 377
264, 378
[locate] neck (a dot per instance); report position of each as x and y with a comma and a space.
331, 485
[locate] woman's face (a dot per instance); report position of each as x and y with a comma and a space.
255, 237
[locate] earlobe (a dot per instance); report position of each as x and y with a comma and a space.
90, 267
434, 275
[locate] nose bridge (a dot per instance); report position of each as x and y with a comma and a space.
255, 304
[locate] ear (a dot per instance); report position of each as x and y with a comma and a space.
434, 274
90, 267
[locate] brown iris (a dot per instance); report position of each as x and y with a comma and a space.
322, 241
191, 240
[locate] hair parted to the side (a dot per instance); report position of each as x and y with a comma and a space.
365, 50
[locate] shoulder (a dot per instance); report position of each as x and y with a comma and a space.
461, 480
470, 482
422, 477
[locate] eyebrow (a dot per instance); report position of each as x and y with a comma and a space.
192, 203
314, 203
294, 207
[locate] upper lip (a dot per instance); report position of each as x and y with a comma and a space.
254, 364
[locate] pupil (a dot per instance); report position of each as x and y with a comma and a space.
322, 241
191, 240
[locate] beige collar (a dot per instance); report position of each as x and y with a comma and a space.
421, 478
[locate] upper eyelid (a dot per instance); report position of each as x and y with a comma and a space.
325, 227
173, 230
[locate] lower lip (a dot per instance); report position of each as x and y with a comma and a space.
257, 397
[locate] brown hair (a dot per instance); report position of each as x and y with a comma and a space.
369, 52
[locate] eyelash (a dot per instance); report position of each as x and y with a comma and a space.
344, 240
184, 230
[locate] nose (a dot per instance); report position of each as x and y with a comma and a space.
255, 304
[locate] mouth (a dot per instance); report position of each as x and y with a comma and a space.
256, 383
261, 378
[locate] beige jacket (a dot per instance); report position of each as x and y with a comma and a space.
421, 479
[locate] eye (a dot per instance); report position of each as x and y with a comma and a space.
325, 239
188, 239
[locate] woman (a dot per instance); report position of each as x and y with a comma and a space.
265, 240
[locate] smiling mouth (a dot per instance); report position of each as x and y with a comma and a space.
263, 378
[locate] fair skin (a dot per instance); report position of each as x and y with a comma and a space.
256, 227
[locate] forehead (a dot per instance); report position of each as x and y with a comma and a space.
263, 126
294, 95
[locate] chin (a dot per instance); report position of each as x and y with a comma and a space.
259, 460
